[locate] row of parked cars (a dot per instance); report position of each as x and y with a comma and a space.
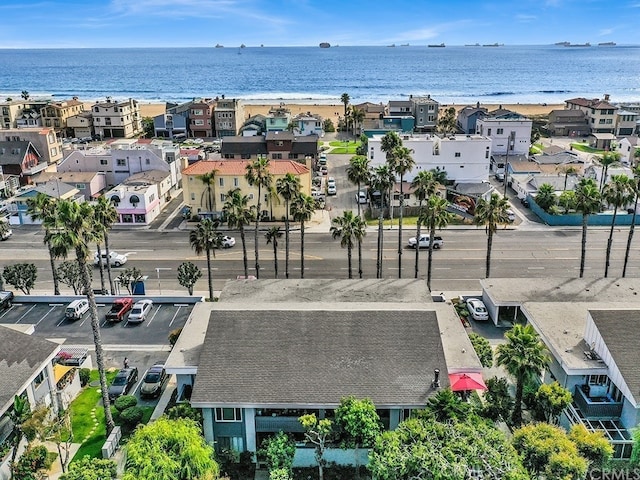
151, 386
137, 312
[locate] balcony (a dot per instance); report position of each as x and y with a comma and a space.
276, 424
596, 407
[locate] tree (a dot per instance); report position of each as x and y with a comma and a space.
68, 272
239, 214
535, 136
619, 193
634, 185
21, 276
4, 228
129, 278
25, 95
545, 449
258, 175
552, 399
381, 181
148, 127
189, 274
287, 187
498, 401
328, 126
446, 405
272, 235
490, 214
435, 214
423, 448
358, 173
591, 445
524, 357
279, 450
317, 432
567, 200
168, 449
635, 453
89, 468
106, 215
567, 170
357, 115
206, 238
208, 180
608, 160
349, 229
72, 230
46, 425
41, 208
302, 207
18, 414
423, 185
360, 422
546, 197
345, 99
447, 123
587, 202
403, 164
483, 349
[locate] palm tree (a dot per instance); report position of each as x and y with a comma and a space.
287, 187
258, 174
302, 207
608, 159
447, 122
490, 214
239, 214
381, 181
546, 197
348, 228
357, 115
567, 170
358, 173
206, 238
272, 235
524, 356
106, 215
344, 98
587, 202
25, 95
424, 185
618, 192
389, 145
634, 183
208, 179
71, 228
404, 163
43, 207
435, 215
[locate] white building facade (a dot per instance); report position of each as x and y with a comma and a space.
510, 129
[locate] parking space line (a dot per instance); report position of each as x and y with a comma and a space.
175, 315
153, 316
44, 316
7, 310
26, 313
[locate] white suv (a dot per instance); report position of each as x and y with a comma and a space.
115, 259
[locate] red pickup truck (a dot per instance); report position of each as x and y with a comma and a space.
119, 309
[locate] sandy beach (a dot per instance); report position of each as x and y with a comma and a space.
337, 110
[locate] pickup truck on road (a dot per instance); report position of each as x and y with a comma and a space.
424, 242
119, 309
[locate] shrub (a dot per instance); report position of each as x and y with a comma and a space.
124, 402
32, 460
184, 410
173, 336
131, 416
85, 373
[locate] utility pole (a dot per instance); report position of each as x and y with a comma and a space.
510, 138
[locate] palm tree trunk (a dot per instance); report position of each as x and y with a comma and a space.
380, 241
583, 250
418, 241
106, 247
244, 253
286, 240
302, 249
256, 234
95, 328
629, 238
516, 417
56, 281
400, 230
209, 274
432, 233
100, 266
489, 245
359, 240
349, 247
275, 257
609, 242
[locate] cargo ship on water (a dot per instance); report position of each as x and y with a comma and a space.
325, 45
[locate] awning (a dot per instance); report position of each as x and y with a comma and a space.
466, 381
60, 371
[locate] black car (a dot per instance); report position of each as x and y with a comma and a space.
125, 379
153, 381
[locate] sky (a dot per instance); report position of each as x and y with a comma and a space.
205, 23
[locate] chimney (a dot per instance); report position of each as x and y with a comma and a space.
436, 378
477, 104
606, 97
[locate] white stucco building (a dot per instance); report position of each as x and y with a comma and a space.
509, 128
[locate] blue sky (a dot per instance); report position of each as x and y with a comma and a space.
203, 23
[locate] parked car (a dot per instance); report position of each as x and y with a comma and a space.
6, 299
115, 259
122, 383
228, 242
477, 309
119, 309
323, 170
524, 202
361, 197
500, 176
5, 233
76, 309
511, 215
140, 311
424, 242
153, 381
331, 189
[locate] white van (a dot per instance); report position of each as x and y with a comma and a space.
76, 309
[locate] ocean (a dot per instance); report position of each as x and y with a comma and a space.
454, 74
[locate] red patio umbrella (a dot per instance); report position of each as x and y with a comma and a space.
466, 381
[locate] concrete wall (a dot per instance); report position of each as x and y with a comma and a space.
575, 219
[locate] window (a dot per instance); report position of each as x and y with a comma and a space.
457, 155
251, 196
223, 197
488, 132
152, 197
127, 218
230, 443
602, 121
609, 121
147, 161
276, 156
228, 414
499, 131
198, 122
54, 151
196, 111
193, 196
121, 162
140, 218
221, 182
39, 379
236, 182
80, 186
486, 154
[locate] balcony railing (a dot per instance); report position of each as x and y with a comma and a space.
602, 407
276, 424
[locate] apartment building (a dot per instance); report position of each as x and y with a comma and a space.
228, 117
425, 111
16, 113
46, 141
114, 119
201, 121
55, 114
508, 131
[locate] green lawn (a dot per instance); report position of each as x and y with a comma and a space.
583, 147
345, 148
411, 222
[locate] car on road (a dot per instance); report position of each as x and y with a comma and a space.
228, 242
500, 176
5, 232
6, 299
424, 242
477, 309
153, 381
140, 311
511, 216
332, 190
115, 259
119, 309
124, 380
361, 197
76, 309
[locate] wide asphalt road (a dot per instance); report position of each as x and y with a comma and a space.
515, 253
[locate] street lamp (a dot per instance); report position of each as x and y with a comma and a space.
158, 273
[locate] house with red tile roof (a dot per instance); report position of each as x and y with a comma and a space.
229, 175
601, 115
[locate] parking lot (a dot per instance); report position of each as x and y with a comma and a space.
49, 321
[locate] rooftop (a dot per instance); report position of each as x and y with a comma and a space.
239, 167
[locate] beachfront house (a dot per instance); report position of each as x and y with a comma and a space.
425, 111
55, 114
307, 124
568, 123
112, 119
170, 125
81, 125
509, 132
600, 114
228, 115
468, 116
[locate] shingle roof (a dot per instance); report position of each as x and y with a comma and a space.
239, 167
8, 157
622, 337
21, 357
315, 357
